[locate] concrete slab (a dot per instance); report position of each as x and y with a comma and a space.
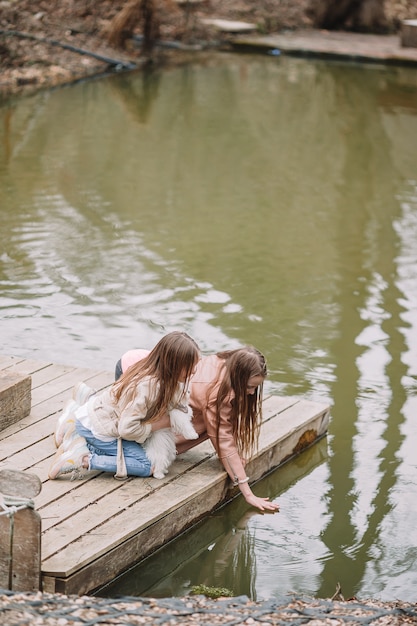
228, 26
332, 45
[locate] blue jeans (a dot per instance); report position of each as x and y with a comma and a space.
104, 454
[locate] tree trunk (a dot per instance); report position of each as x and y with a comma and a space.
358, 15
124, 23
150, 25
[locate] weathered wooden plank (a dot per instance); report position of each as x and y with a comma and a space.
38, 425
28, 367
96, 502
48, 374
41, 421
272, 405
278, 443
295, 420
15, 398
49, 410
19, 442
8, 361
64, 383
24, 457
72, 497
111, 496
163, 504
111, 563
86, 498
74, 375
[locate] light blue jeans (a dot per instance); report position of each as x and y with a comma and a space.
104, 454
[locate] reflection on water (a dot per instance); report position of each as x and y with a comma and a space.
246, 200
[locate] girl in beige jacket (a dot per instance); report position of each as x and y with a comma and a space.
106, 432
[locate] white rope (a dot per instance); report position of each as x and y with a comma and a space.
12, 504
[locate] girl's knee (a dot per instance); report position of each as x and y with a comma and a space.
143, 469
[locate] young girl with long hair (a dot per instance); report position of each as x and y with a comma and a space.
104, 431
226, 398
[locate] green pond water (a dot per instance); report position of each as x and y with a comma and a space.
244, 199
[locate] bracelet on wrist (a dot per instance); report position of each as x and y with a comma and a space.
242, 481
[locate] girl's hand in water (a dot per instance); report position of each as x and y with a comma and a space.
262, 503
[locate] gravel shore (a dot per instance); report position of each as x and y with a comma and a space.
61, 610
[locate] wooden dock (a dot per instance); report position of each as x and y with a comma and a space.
95, 528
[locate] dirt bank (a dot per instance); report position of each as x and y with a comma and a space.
28, 63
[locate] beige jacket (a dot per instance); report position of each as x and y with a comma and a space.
117, 419
122, 420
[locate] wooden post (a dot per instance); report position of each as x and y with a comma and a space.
189, 7
20, 532
409, 34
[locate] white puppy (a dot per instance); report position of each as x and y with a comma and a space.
160, 446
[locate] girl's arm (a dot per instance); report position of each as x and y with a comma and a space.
162, 422
234, 466
131, 425
232, 462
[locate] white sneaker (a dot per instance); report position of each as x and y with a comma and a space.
70, 437
70, 461
65, 421
82, 392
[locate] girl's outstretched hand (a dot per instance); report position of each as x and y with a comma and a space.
262, 503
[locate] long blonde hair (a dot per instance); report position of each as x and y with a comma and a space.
173, 356
238, 367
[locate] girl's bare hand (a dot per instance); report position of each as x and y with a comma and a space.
162, 422
262, 503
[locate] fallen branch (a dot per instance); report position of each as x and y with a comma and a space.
116, 63
338, 593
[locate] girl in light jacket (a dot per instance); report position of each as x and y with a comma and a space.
226, 398
105, 431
